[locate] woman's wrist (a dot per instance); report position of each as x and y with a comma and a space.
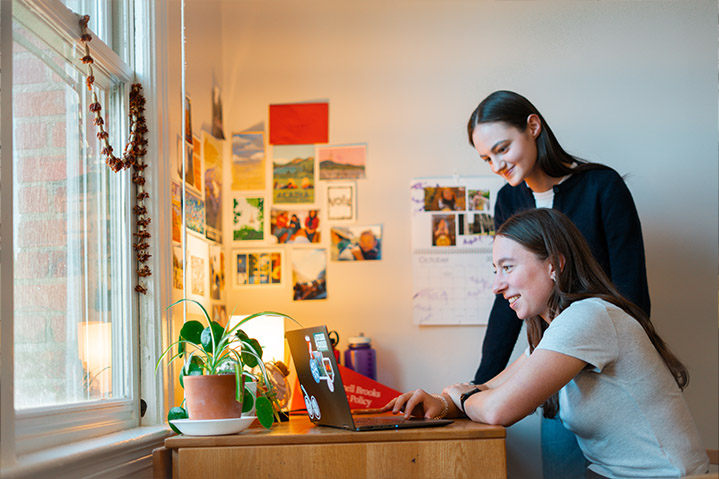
445, 406
463, 398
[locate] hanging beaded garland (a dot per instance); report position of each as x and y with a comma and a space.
133, 156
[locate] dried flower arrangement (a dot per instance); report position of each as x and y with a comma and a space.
133, 155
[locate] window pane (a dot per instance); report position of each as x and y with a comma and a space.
100, 16
71, 234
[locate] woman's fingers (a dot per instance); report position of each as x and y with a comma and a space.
389, 405
416, 404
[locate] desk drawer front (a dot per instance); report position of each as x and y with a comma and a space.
484, 458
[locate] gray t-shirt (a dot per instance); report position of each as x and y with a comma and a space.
629, 415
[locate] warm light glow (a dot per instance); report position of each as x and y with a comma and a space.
95, 350
269, 331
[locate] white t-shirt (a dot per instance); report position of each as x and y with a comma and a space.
545, 199
629, 415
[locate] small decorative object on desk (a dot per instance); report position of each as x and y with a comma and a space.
216, 362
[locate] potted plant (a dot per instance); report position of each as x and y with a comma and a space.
215, 361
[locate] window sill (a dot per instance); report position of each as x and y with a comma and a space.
115, 455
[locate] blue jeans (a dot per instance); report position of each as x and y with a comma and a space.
561, 456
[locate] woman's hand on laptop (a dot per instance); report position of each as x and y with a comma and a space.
420, 403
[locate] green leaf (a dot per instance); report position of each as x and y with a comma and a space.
265, 414
207, 336
192, 331
248, 400
176, 413
193, 368
248, 358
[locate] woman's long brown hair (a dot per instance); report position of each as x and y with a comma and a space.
549, 233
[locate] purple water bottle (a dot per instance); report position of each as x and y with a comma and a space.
360, 357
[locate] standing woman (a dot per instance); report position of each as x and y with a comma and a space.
512, 136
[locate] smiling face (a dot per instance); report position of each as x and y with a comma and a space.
522, 278
511, 153
367, 241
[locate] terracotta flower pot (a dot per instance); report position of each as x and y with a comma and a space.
211, 397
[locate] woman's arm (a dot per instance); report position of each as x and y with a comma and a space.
527, 384
502, 377
455, 391
625, 245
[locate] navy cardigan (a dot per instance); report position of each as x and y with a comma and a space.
601, 206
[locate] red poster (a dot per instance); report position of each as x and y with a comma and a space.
299, 123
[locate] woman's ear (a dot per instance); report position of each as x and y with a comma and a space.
534, 125
553, 270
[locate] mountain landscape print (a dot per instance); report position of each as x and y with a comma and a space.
293, 174
342, 162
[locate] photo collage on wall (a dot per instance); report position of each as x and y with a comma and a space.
290, 197
293, 199
457, 211
196, 188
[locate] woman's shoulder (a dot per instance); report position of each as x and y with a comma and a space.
601, 180
598, 173
589, 305
595, 170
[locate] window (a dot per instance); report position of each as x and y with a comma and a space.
74, 343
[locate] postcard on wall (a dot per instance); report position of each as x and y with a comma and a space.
309, 274
197, 164
212, 156
248, 160
257, 267
176, 174
444, 230
445, 198
217, 129
295, 226
189, 165
188, 120
177, 271
248, 218
356, 243
342, 162
176, 197
342, 202
293, 174
198, 265
299, 123
217, 272
194, 213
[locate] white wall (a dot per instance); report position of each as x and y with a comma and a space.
629, 84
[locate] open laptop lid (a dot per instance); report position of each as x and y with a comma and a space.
320, 380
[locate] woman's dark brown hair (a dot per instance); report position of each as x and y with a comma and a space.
513, 109
550, 234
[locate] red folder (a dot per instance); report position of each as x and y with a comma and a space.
362, 392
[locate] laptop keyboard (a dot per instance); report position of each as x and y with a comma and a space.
378, 420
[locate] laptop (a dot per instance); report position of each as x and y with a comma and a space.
323, 391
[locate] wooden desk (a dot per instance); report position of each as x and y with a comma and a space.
299, 449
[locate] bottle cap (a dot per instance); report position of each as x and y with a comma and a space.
361, 339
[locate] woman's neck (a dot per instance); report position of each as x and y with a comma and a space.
539, 181
542, 182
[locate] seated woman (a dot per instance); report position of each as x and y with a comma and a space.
593, 358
